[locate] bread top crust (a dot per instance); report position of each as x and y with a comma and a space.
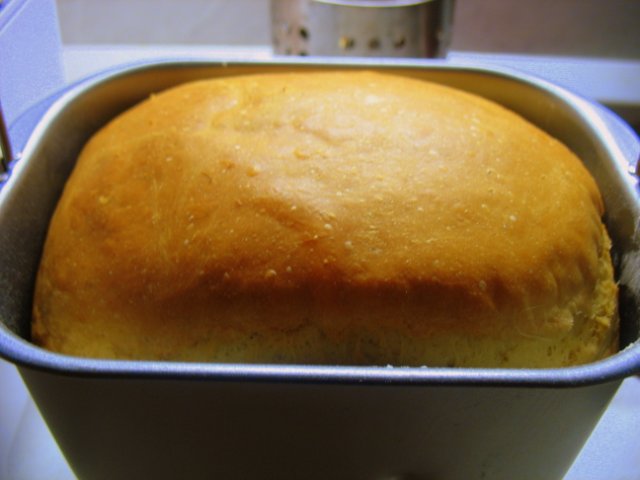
331, 186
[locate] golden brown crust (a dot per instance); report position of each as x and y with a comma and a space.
335, 217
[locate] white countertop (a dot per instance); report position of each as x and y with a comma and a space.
27, 449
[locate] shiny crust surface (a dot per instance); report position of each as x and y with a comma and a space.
353, 217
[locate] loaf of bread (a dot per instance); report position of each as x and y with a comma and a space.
342, 218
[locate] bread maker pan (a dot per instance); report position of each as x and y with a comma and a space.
149, 419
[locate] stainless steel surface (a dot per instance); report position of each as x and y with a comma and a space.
365, 28
117, 419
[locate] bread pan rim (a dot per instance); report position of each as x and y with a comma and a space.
27, 355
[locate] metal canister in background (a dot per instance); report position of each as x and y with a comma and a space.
363, 28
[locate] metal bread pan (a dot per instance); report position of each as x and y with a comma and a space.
143, 419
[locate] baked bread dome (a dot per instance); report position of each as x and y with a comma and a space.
327, 218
